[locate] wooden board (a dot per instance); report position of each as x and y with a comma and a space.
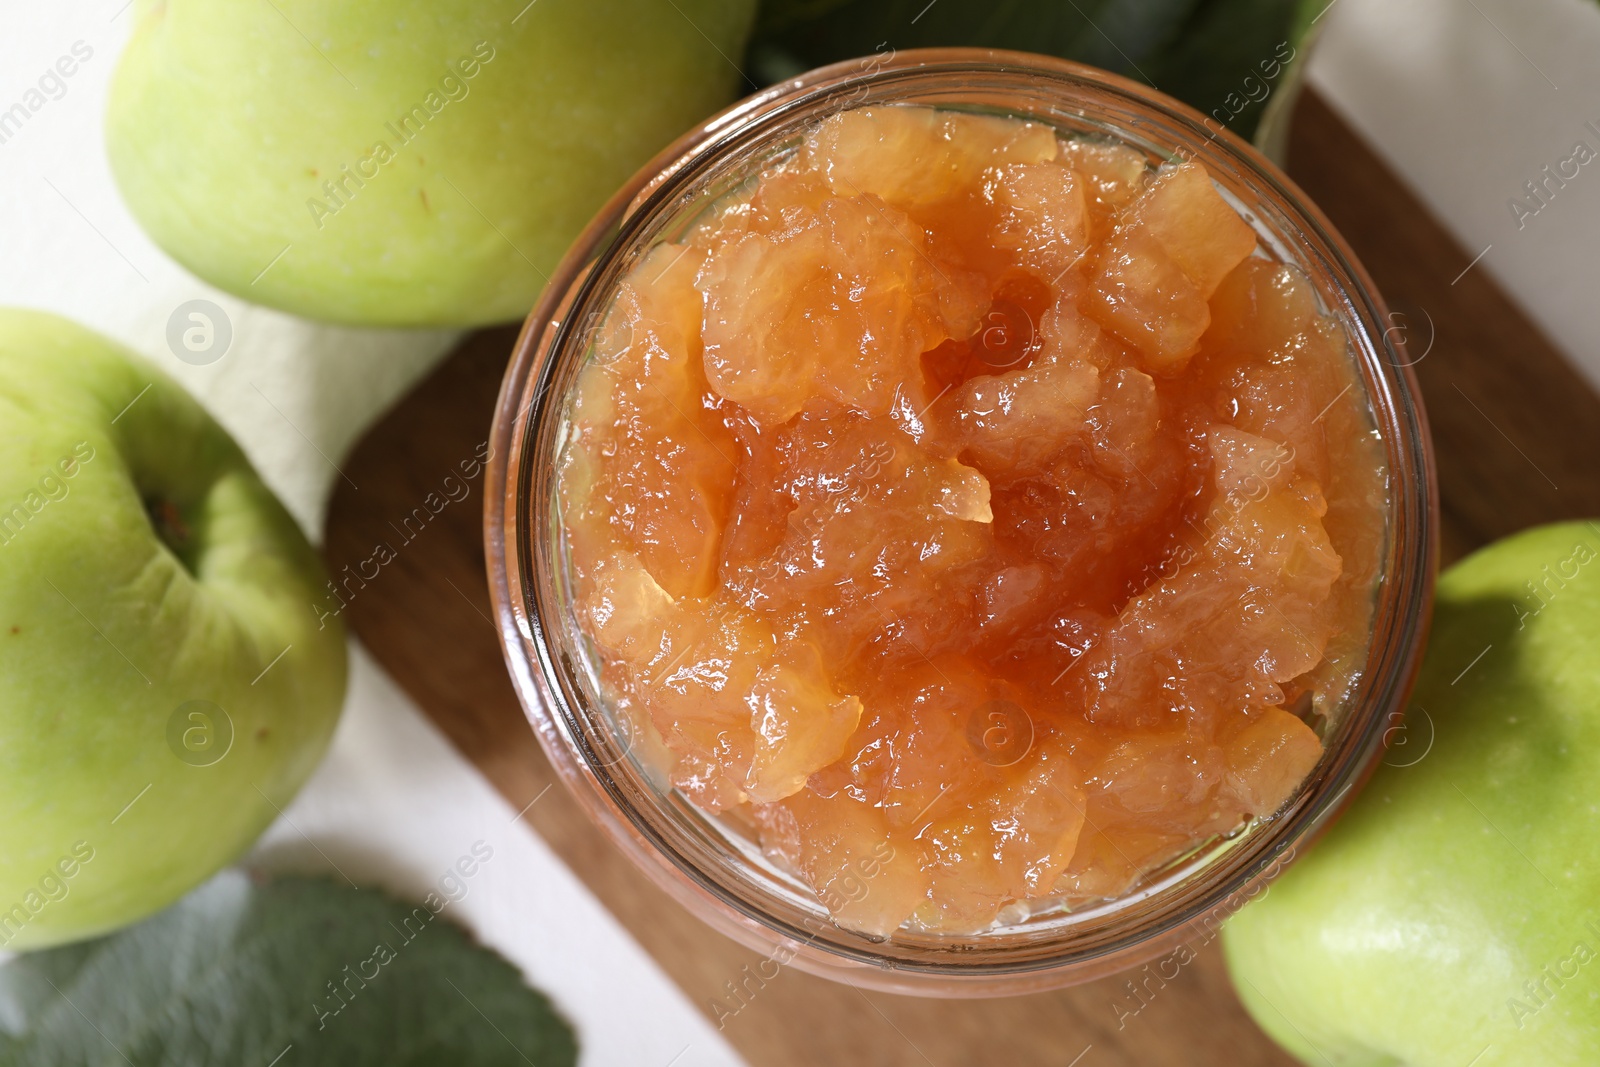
1516, 429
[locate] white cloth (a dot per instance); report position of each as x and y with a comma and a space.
1468, 100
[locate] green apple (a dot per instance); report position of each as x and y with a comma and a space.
1452, 917
166, 684
401, 162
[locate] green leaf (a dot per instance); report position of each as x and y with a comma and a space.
295, 972
1214, 55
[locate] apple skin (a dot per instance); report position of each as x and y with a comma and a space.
105, 632
225, 120
1420, 929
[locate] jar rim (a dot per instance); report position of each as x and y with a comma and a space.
520, 568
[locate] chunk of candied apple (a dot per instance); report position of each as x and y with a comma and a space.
800, 724
1115, 173
696, 685
1299, 393
1015, 421
758, 353
1268, 760
1140, 294
1261, 308
1268, 507
1067, 334
921, 760
1109, 860
1011, 845
1169, 252
652, 331
662, 486
1186, 215
872, 513
964, 494
1245, 607
843, 307
783, 201
628, 610
671, 511
1160, 773
916, 157
1126, 419
868, 878
1244, 466
1042, 216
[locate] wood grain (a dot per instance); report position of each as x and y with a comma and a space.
1515, 427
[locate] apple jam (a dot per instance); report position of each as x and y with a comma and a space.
978, 518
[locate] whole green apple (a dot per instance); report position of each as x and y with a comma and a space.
166, 684
1452, 916
401, 162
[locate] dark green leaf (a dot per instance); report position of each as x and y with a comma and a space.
295, 972
1215, 55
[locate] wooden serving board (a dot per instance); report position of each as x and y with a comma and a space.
1517, 431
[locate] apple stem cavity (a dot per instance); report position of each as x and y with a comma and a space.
170, 526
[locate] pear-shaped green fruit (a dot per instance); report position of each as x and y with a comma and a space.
167, 681
401, 162
1452, 917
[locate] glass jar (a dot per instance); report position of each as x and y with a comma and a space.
710, 865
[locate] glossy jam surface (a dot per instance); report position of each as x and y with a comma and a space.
975, 517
